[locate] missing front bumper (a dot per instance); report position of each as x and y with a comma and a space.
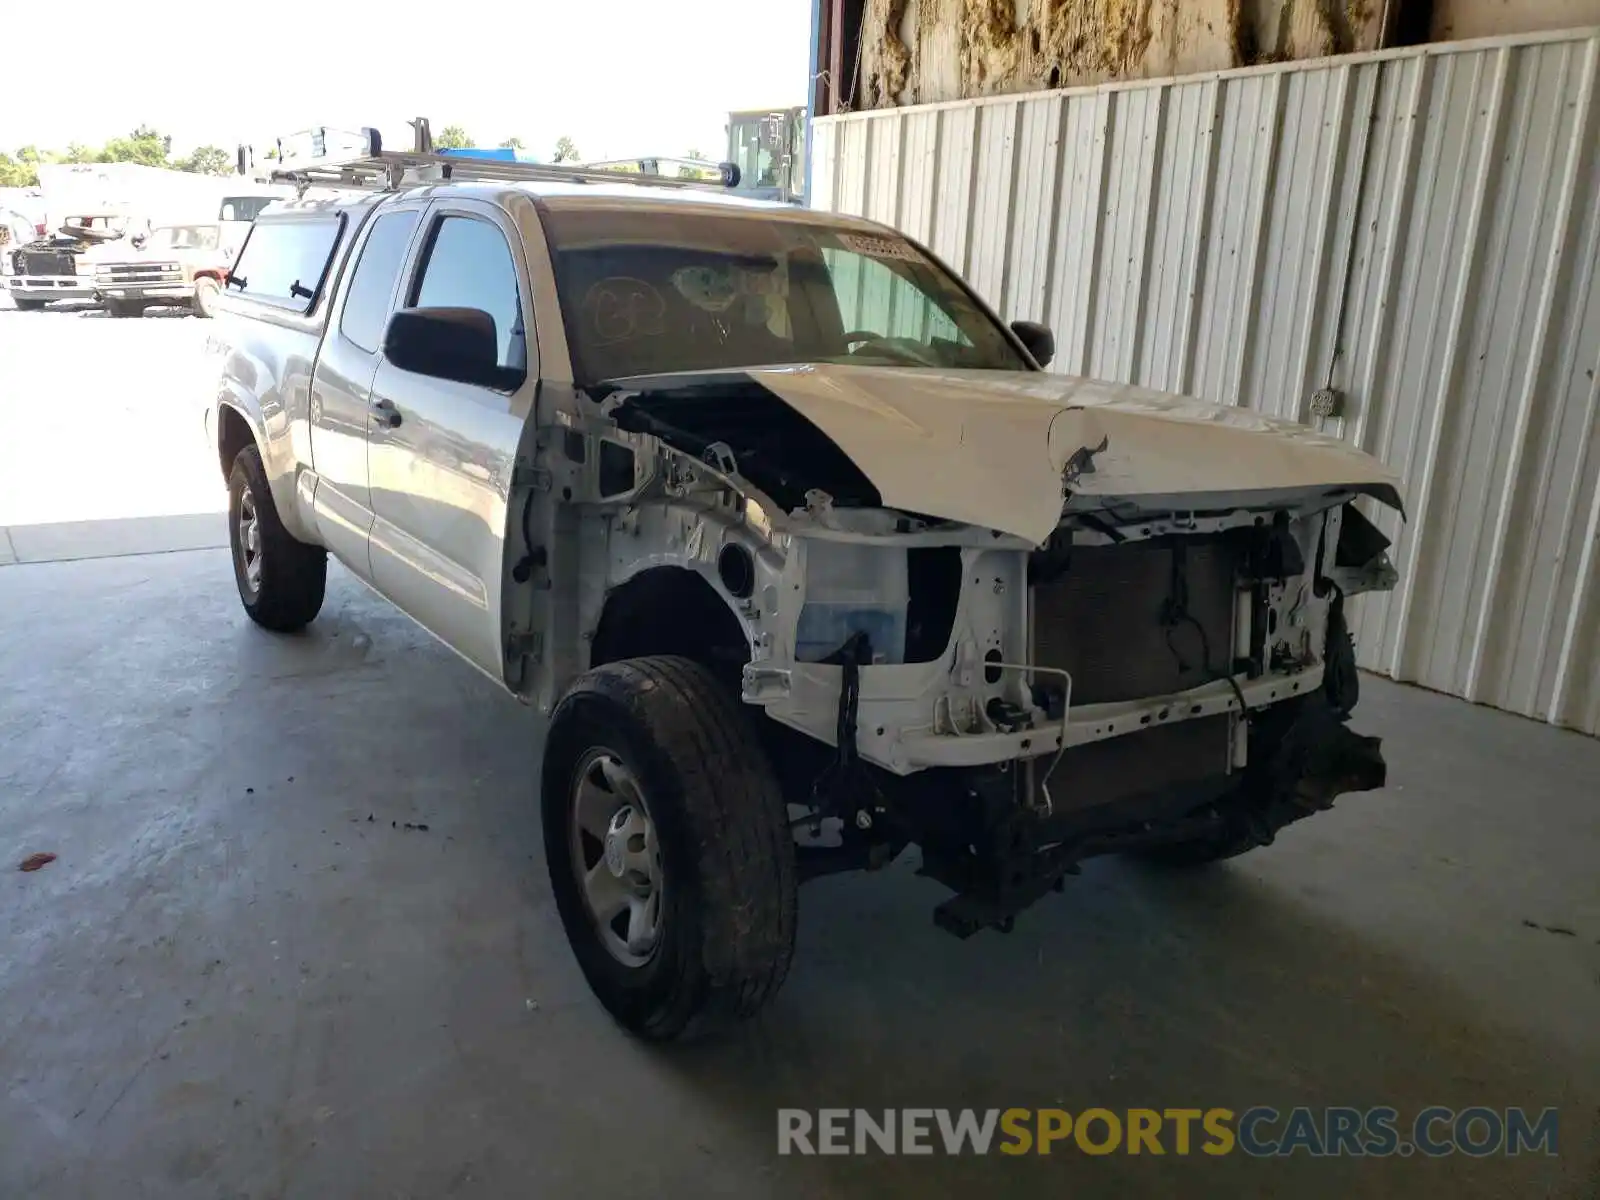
1000, 856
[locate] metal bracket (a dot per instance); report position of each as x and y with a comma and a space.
525, 643
720, 456
525, 475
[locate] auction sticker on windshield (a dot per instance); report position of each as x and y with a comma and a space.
877, 247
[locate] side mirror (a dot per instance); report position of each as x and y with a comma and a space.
1039, 340
448, 343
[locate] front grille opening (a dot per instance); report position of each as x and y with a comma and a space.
1146, 619
1143, 765
933, 580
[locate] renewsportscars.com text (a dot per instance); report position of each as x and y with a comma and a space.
1260, 1132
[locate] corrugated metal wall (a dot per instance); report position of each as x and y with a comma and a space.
1419, 229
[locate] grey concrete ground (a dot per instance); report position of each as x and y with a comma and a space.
244, 976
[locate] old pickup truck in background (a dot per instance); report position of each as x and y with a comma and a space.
177, 265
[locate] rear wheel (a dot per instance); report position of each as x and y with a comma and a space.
281, 581
668, 847
205, 297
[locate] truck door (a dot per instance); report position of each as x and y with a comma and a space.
442, 452
341, 411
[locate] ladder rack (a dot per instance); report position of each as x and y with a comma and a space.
335, 158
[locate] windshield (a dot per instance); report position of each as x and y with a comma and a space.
647, 291
185, 237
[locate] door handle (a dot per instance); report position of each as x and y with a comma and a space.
384, 413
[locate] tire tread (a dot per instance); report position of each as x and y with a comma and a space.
294, 575
735, 813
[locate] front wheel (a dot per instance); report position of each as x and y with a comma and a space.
206, 292
668, 846
29, 305
281, 580
125, 308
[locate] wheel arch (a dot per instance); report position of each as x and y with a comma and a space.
234, 433
672, 610
236, 426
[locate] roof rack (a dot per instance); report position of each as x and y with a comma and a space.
339, 158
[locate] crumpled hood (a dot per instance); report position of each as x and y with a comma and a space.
1004, 449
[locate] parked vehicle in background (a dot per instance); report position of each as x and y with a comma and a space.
16, 231
243, 209
769, 147
91, 204
803, 551
238, 209
177, 265
61, 265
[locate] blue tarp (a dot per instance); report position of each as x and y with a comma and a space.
497, 154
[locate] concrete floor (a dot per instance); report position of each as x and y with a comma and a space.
245, 977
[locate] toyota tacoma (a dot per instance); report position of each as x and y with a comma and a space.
803, 553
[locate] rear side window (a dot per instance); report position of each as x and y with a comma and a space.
469, 266
366, 307
283, 263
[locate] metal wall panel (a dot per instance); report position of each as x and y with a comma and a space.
1418, 229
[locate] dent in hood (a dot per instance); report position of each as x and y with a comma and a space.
994, 448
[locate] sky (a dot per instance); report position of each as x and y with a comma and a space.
620, 77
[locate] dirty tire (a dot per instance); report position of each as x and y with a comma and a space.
728, 928
206, 292
29, 305
124, 308
293, 575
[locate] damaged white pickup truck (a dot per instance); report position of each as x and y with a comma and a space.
806, 556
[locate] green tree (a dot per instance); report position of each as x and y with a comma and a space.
566, 150
17, 174
694, 172
512, 143
452, 137
208, 160
144, 145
